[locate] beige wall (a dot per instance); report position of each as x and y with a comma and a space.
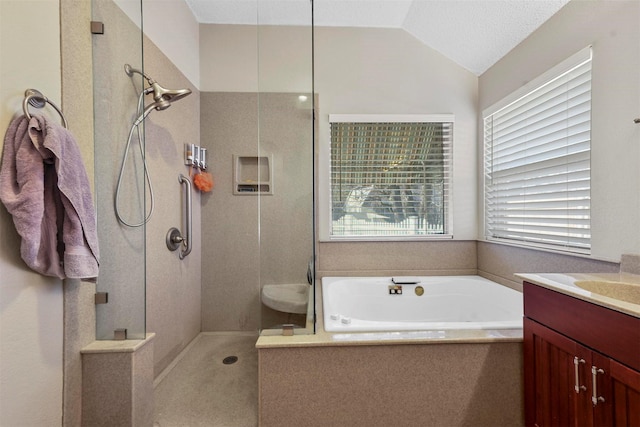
30, 305
162, 21
231, 250
359, 70
611, 27
248, 58
248, 240
368, 71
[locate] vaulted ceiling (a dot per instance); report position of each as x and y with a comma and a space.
473, 33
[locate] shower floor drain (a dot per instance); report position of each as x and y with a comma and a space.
230, 360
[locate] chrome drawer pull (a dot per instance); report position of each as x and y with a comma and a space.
594, 374
577, 387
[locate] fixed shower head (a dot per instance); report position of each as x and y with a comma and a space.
163, 98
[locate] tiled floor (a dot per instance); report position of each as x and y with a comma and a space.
201, 390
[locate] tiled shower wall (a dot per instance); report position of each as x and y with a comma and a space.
248, 240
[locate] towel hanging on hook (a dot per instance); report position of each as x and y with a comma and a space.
36, 99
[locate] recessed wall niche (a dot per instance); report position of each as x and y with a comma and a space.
252, 175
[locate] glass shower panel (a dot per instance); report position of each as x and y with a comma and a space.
286, 160
122, 263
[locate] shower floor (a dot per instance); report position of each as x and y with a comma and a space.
201, 390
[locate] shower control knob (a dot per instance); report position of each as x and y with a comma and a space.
174, 239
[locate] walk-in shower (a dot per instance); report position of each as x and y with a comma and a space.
162, 99
241, 242
249, 239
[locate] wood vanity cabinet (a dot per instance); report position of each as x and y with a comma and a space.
581, 362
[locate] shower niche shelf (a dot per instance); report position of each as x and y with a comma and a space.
252, 175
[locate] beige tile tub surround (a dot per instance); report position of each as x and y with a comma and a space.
464, 378
442, 257
117, 383
630, 263
409, 385
500, 263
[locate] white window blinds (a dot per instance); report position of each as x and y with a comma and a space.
537, 164
389, 178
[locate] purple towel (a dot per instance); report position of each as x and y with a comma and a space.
44, 186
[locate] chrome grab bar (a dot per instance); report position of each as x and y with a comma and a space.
189, 219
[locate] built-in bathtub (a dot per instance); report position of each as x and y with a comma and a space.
440, 303
462, 371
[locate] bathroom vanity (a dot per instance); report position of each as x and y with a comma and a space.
581, 351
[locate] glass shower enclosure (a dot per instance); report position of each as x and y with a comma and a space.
256, 228
257, 121
286, 136
122, 266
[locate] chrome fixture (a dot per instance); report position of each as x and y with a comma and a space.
36, 99
576, 366
595, 399
188, 240
174, 238
162, 99
287, 329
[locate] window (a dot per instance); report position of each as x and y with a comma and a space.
390, 176
537, 161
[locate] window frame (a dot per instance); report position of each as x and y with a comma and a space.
574, 61
326, 224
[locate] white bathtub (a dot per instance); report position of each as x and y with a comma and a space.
359, 304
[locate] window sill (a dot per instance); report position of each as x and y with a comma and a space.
387, 238
584, 253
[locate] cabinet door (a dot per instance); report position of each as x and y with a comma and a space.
625, 395
600, 389
556, 375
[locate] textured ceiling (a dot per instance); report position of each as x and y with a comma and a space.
473, 33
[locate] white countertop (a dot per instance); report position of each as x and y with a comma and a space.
565, 284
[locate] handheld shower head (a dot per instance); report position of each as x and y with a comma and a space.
163, 98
